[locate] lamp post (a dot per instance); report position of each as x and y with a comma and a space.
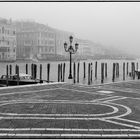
71, 50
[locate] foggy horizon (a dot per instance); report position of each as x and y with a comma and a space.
112, 24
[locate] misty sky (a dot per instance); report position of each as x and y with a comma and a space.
109, 23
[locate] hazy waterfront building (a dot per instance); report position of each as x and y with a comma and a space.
60, 38
34, 40
7, 40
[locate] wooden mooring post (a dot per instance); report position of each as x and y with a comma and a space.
74, 72
96, 70
78, 66
7, 75
17, 75
63, 72
10, 69
26, 68
124, 71
113, 74
127, 68
61, 75
58, 72
48, 72
106, 70
40, 71
91, 69
84, 65
102, 72
89, 74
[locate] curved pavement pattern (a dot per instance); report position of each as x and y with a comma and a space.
67, 111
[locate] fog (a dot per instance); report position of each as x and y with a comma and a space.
113, 24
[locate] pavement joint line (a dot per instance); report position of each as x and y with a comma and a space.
123, 124
127, 120
121, 98
67, 129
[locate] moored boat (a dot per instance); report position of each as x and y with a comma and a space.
21, 79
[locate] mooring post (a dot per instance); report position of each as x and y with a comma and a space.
96, 70
137, 66
61, 76
106, 70
133, 70
6, 75
17, 75
102, 72
124, 71
116, 69
84, 64
127, 68
48, 72
78, 72
40, 71
58, 72
74, 72
113, 76
26, 68
63, 72
89, 74
10, 69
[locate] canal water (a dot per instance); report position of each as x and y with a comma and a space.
54, 70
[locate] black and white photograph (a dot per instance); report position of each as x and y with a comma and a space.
70, 70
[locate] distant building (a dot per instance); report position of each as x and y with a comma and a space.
60, 38
7, 40
34, 40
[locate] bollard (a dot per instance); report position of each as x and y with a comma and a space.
32, 71
48, 72
10, 69
35, 71
96, 70
102, 72
63, 72
40, 71
26, 68
74, 72
7, 75
78, 72
84, 64
113, 75
89, 74
127, 68
106, 70
123, 71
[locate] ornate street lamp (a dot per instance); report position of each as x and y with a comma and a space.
71, 50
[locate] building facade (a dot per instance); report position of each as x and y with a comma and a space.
60, 38
34, 41
7, 40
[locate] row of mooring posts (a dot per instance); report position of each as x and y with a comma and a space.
9, 73
74, 72
61, 72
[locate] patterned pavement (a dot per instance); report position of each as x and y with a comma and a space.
71, 111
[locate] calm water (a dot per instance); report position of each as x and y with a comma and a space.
54, 70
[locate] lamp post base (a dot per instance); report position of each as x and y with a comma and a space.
70, 76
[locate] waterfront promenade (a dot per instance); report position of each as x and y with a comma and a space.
63, 110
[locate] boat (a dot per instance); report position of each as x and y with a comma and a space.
21, 79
